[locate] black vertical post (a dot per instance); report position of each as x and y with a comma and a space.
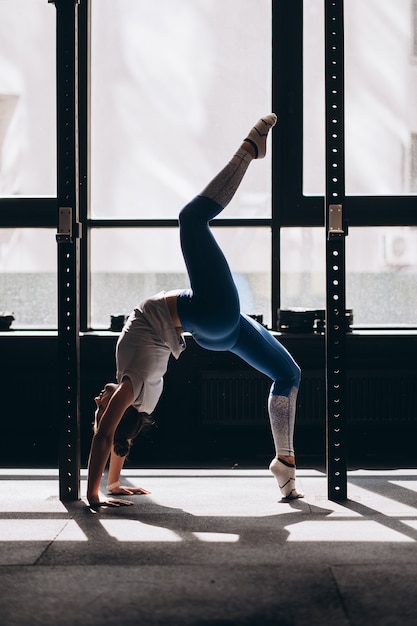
335, 253
84, 25
287, 139
68, 240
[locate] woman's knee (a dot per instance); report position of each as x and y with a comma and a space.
186, 212
199, 209
285, 382
296, 374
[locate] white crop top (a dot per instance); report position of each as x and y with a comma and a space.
143, 350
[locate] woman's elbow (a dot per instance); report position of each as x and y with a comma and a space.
103, 438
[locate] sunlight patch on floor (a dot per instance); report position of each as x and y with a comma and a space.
344, 531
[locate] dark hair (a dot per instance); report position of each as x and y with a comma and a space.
129, 427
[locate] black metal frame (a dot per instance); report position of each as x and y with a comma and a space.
83, 25
336, 230
68, 240
290, 207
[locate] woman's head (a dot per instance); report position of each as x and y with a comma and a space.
128, 429
129, 426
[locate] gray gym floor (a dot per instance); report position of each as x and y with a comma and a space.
210, 547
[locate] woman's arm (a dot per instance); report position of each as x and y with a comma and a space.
113, 483
103, 439
115, 467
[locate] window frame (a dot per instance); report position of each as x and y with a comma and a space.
290, 208
294, 208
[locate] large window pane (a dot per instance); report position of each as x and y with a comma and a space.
145, 261
381, 273
28, 277
380, 97
303, 268
27, 98
314, 105
174, 86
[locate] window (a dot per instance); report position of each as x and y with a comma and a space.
381, 268
303, 268
381, 276
27, 159
174, 85
380, 98
380, 131
28, 284
137, 270
27, 98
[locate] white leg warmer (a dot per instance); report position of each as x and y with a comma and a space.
281, 411
224, 186
282, 417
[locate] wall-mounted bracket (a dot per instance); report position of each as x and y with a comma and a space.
66, 229
64, 234
336, 228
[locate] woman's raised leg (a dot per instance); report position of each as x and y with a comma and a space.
211, 309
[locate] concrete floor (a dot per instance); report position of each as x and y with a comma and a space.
210, 547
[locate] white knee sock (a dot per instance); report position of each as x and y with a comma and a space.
224, 186
281, 411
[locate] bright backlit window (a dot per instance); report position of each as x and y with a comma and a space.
175, 87
380, 97
28, 283
135, 270
27, 98
380, 131
381, 273
28, 157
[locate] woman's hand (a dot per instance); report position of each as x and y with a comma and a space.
128, 491
96, 503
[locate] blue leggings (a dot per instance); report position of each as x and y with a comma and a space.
210, 310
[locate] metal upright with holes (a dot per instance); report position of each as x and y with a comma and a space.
68, 240
335, 225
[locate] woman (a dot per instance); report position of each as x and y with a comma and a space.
210, 311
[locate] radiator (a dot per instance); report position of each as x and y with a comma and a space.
240, 398
233, 398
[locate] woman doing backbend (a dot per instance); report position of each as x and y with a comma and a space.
210, 311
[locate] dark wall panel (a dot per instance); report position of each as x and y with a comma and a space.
213, 409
